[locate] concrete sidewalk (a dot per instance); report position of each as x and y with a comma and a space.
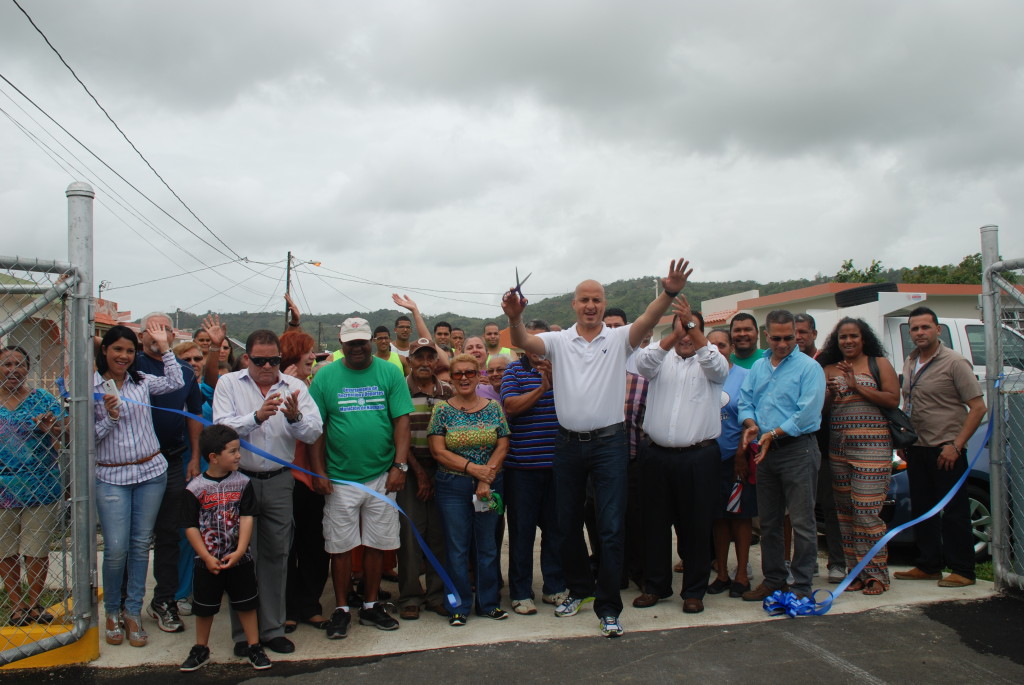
432, 632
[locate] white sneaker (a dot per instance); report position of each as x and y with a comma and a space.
526, 607
570, 606
555, 599
836, 574
184, 607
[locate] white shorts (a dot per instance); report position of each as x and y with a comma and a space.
353, 517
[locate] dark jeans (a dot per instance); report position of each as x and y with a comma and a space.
166, 536
531, 502
604, 461
308, 563
788, 478
464, 527
680, 489
945, 540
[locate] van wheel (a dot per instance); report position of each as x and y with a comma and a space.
981, 519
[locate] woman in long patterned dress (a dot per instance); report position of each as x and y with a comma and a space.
860, 447
468, 436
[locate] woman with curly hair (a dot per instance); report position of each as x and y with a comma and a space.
860, 381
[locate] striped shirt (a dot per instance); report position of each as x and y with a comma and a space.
132, 437
532, 443
419, 419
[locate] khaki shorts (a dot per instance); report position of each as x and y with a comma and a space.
353, 517
27, 530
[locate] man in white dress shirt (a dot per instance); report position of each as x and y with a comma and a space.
271, 411
680, 462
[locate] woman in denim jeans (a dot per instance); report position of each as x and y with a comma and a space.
468, 436
131, 473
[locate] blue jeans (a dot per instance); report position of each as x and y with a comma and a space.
462, 528
531, 502
127, 515
788, 479
604, 461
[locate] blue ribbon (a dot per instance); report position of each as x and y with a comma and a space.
454, 599
779, 602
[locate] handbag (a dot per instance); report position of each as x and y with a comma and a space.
900, 428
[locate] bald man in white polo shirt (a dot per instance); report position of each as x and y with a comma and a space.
588, 363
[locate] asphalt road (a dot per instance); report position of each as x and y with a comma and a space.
950, 642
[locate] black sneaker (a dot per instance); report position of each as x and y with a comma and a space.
166, 615
258, 658
241, 649
337, 627
377, 616
197, 658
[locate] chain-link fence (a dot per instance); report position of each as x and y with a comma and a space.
46, 599
1003, 303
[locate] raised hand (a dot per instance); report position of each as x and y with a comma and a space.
678, 273
513, 304
160, 336
405, 302
213, 328
293, 310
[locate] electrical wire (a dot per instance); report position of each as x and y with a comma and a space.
123, 134
331, 286
361, 279
405, 288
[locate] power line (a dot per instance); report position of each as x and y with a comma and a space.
119, 130
165, 278
361, 279
403, 288
331, 286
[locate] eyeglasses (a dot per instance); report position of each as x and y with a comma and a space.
192, 359
782, 338
495, 372
464, 374
263, 361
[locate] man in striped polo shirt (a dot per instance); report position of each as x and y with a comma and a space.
529, 405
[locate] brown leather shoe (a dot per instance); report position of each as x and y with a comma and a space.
692, 605
410, 612
916, 574
760, 592
956, 580
646, 600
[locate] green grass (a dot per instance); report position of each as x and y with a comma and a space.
984, 571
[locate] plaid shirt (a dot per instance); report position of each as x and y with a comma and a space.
636, 407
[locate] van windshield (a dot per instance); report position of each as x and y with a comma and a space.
1012, 343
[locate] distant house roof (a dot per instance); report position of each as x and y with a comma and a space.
811, 292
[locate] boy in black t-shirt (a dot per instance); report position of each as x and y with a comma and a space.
217, 514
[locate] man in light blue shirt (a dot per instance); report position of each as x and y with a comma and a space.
781, 401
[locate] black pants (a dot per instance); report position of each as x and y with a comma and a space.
680, 489
166, 547
308, 562
946, 539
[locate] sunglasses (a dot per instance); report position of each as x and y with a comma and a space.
463, 374
192, 359
263, 361
782, 338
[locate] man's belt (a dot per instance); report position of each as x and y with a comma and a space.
789, 440
264, 475
587, 436
689, 448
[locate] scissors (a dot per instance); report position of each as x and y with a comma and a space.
519, 284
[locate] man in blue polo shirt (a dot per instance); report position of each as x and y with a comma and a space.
781, 401
529, 404
176, 435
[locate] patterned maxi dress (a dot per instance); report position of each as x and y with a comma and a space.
860, 453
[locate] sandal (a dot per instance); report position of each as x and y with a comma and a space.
290, 627
20, 617
115, 630
874, 587
137, 636
855, 586
40, 615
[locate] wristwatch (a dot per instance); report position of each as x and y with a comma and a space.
691, 324
256, 418
401, 466
298, 417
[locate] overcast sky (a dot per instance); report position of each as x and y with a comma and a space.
441, 144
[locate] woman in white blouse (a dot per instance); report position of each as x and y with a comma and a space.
130, 473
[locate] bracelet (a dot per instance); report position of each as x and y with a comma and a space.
516, 325
293, 323
112, 419
465, 469
672, 295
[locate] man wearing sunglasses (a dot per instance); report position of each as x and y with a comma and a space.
271, 411
780, 408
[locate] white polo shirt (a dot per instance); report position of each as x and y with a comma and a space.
589, 377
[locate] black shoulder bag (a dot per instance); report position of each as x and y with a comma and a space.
902, 431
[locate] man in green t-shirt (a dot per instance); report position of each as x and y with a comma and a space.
743, 329
365, 404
